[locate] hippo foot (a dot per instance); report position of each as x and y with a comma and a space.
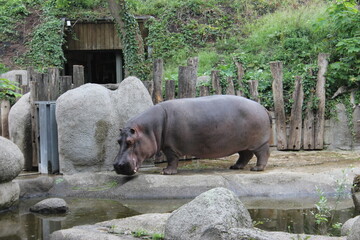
258, 168
169, 171
234, 167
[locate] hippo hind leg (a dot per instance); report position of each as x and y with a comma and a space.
244, 158
262, 154
172, 162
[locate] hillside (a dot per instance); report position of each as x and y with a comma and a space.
218, 31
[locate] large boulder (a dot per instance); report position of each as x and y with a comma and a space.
216, 208
11, 160
20, 127
355, 231
9, 194
347, 226
89, 118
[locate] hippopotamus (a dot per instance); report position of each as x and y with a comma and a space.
203, 127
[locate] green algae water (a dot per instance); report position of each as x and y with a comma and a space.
293, 216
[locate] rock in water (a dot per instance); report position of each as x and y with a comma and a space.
215, 208
50, 206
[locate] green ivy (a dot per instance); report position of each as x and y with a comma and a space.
45, 47
134, 61
8, 90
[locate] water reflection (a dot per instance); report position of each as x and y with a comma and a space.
21, 224
273, 215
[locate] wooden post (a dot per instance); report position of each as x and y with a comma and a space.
187, 82
158, 74
54, 84
193, 62
277, 86
215, 82
253, 87
5, 109
296, 116
170, 89
230, 86
149, 86
33, 113
320, 95
309, 127
65, 83
240, 75
204, 91
78, 75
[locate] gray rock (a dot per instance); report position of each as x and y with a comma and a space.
151, 223
20, 127
89, 118
11, 160
214, 208
9, 194
116, 229
50, 205
355, 231
82, 234
35, 187
356, 121
11, 75
339, 136
346, 227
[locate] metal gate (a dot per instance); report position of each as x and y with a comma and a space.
48, 137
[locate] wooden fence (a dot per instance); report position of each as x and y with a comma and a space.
295, 134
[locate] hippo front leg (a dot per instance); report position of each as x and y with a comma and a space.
172, 160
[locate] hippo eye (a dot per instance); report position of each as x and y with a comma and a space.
132, 131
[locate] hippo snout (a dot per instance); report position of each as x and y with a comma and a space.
124, 168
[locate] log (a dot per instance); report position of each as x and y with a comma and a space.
320, 95
296, 116
33, 114
309, 127
65, 84
230, 86
53, 84
193, 62
170, 89
150, 87
5, 109
253, 88
277, 86
240, 76
204, 91
215, 82
187, 82
78, 75
158, 75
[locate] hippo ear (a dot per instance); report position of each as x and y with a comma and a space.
120, 130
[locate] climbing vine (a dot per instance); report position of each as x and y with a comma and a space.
134, 58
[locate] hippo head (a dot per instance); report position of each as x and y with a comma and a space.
135, 147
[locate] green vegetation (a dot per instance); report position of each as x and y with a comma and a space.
219, 32
324, 213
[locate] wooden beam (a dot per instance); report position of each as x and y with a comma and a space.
277, 86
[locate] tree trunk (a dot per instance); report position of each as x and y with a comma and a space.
277, 86
320, 95
296, 116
